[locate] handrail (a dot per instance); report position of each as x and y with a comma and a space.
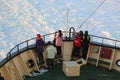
104, 38
72, 28
94, 38
108, 41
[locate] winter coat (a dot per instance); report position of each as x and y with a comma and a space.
58, 40
51, 52
39, 45
77, 41
86, 40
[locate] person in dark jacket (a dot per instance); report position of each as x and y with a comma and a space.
39, 46
81, 49
1, 77
86, 41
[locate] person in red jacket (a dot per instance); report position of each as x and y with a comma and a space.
76, 46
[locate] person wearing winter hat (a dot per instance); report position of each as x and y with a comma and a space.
38, 36
40, 49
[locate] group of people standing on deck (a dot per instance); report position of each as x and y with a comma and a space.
81, 42
51, 50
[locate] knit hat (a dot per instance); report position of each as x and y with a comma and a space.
38, 36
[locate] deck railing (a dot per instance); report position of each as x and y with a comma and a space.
102, 40
27, 44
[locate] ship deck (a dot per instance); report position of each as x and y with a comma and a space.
87, 72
